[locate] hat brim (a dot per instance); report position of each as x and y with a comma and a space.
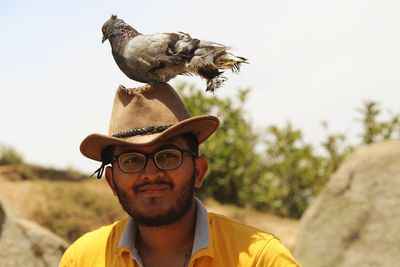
201, 126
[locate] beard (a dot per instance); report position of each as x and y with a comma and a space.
182, 205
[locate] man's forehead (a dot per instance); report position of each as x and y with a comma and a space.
177, 140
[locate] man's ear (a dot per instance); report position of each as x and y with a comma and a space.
201, 167
109, 178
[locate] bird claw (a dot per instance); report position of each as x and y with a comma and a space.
140, 89
144, 88
147, 87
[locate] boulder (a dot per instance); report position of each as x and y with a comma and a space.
24, 243
355, 221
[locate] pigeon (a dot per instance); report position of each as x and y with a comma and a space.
159, 57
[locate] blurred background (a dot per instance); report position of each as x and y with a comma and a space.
323, 79
310, 61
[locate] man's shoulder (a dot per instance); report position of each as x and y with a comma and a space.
240, 230
232, 238
99, 238
103, 232
89, 249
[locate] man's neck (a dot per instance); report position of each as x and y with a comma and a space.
176, 237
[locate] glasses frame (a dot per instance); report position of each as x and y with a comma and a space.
116, 158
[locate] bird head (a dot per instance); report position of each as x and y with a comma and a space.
115, 26
108, 27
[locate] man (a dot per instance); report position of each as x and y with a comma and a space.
152, 150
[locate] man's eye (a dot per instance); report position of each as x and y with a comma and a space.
166, 155
132, 160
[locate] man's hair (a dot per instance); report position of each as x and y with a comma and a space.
193, 143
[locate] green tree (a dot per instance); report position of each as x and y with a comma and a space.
233, 164
295, 173
336, 148
9, 155
289, 173
375, 130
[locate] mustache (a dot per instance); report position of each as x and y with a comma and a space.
155, 182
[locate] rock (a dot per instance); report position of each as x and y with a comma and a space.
24, 243
355, 221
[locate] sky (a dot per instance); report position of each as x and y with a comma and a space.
310, 61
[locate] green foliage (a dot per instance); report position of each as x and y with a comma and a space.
337, 149
288, 174
376, 130
233, 163
295, 171
9, 155
282, 180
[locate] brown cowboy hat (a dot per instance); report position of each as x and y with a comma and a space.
146, 115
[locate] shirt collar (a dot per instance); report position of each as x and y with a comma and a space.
201, 237
201, 234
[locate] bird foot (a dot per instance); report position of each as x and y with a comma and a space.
140, 89
146, 87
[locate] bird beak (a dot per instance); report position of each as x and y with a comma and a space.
103, 39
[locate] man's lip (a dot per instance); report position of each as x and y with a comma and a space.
153, 188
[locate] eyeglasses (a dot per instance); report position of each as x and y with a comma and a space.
165, 159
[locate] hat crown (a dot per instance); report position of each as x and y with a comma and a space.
140, 108
142, 117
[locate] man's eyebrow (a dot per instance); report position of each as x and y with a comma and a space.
166, 146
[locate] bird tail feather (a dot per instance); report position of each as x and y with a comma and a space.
230, 61
215, 83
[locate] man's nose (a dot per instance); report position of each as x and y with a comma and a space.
151, 171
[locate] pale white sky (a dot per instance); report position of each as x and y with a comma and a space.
310, 61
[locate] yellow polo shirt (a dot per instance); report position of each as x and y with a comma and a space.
218, 242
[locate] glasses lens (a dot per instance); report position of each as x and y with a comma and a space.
168, 159
131, 162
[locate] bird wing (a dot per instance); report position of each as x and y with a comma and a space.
152, 51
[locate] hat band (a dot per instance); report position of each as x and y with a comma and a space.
142, 131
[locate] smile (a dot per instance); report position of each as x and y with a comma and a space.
153, 190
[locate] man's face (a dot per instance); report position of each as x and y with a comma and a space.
155, 197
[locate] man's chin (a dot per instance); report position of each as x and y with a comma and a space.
157, 220
156, 216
